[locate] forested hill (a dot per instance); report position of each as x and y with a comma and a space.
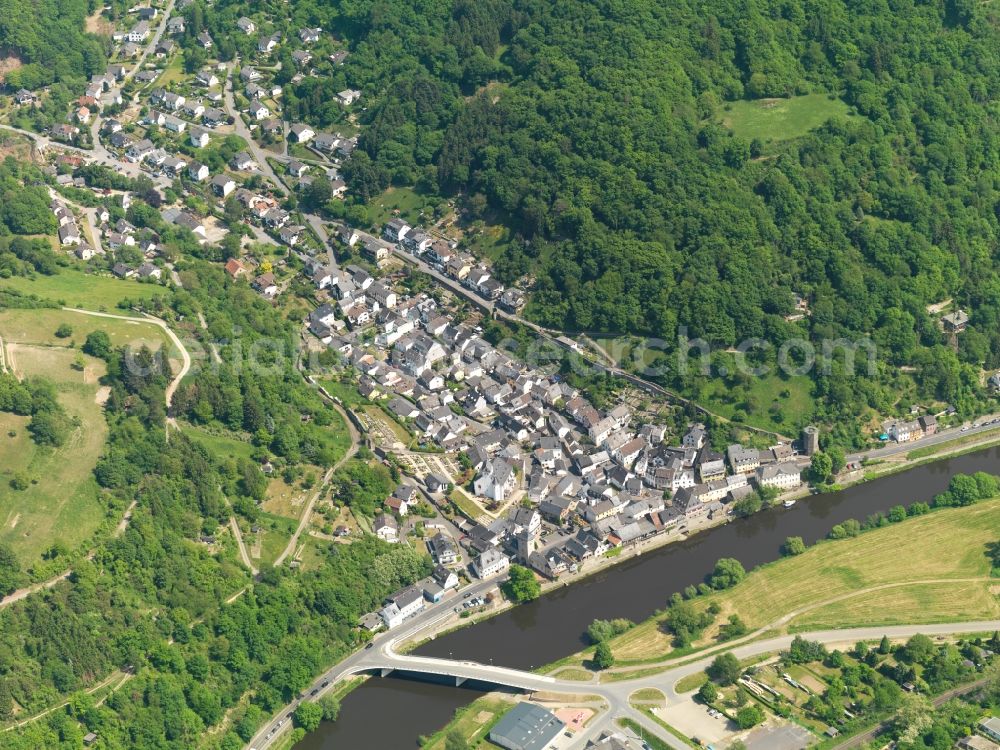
596, 127
48, 37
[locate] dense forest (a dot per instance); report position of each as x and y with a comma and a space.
593, 129
48, 40
154, 606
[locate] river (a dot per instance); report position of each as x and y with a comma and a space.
389, 714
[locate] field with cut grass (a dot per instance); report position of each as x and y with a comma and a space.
780, 119
39, 326
63, 502
407, 201
219, 445
927, 569
75, 288
943, 602
275, 531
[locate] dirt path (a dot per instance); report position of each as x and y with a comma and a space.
185, 356
307, 513
243, 548
125, 677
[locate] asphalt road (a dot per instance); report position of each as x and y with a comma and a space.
381, 656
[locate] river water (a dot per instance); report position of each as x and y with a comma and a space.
389, 714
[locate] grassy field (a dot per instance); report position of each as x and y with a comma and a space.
956, 601
944, 545
39, 326
219, 445
788, 397
780, 119
346, 392
274, 535
173, 73
63, 503
78, 289
473, 722
462, 501
409, 202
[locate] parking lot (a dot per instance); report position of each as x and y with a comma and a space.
787, 737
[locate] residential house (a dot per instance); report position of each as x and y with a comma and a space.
443, 549
386, 528
258, 110
207, 78
491, 562
266, 45
310, 36
235, 268
245, 25
402, 605
348, 96
150, 271
139, 32
199, 138
198, 171
743, 460
266, 285
243, 162
783, 476
302, 133
395, 230
69, 234
223, 185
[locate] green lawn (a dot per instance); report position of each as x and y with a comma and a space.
780, 119
275, 533
946, 545
75, 288
347, 392
173, 73
408, 201
221, 446
771, 402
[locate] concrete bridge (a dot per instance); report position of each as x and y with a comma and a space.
385, 663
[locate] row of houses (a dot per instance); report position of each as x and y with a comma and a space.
458, 265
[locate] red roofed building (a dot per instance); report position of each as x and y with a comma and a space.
234, 268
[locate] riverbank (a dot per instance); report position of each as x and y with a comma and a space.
776, 596
544, 630
960, 446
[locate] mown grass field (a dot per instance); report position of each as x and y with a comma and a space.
63, 502
955, 601
75, 288
780, 119
408, 201
39, 326
790, 398
222, 446
947, 545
